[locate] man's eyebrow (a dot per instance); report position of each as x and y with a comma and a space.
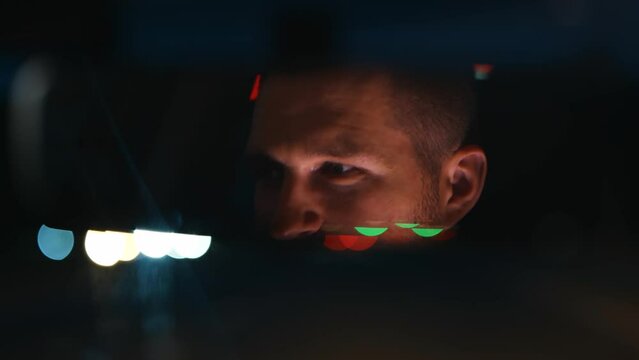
335, 150
341, 147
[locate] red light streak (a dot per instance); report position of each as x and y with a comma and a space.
256, 88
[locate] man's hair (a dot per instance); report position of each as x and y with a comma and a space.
436, 111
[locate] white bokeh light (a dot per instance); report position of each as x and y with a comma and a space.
130, 250
104, 248
174, 254
153, 244
189, 246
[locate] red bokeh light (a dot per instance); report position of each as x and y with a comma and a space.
445, 235
351, 242
334, 243
256, 88
483, 68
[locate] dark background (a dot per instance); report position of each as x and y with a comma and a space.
144, 125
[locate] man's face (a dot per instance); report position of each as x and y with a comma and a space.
327, 157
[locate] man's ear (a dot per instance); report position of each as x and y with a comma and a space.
461, 183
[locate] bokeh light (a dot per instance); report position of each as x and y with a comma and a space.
153, 244
406, 225
104, 248
446, 235
482, 71
350, 242
370, 231
130, 250
255, 91
334, 242
189, 246
423, 232
56, 244
174, 254
362, 243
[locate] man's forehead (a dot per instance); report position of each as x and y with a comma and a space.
342, 115
296, 104
330, 137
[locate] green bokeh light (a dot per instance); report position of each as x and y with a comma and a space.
406, 226
370, 231
427, 232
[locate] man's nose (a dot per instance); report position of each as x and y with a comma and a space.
299, 211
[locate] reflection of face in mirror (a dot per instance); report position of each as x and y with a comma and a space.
333, 149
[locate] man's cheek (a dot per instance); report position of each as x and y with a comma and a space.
383, 209
348, 211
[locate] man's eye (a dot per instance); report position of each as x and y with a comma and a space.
268, 174
337, 170
334, 169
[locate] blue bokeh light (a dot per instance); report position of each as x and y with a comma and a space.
55, 244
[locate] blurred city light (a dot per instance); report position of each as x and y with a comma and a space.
350, 242
370, 231
406, 225
426, 232
255, 91
446, 235
362, 243
26, 130
56, 244
104, 248
482, 71
334, 242
189, 246
154, 244
130, 250
157, 244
